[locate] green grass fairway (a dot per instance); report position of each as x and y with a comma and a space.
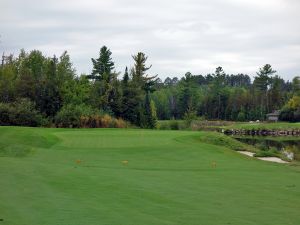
169, 179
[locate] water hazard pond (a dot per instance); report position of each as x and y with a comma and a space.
288, 146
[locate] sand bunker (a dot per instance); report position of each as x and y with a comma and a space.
270, 159
251, 154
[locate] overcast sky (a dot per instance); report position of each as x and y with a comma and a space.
178, 36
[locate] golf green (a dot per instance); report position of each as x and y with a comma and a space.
138, 177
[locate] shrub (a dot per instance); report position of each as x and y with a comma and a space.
164, 126
295, 150
189, 116
174, 125
262, 146
291, 111
106, 121
5, 111
241, 116
70, 115
84, 121
287, 114
266, 154
119, 123
21, 113
102, 121
94, 121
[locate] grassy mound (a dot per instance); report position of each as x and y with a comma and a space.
225, 141
19, 142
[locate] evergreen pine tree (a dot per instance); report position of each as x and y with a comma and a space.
106, 86
148, 118
140, 68
131, 99
103, 66
49, 101
142, 84
261, 84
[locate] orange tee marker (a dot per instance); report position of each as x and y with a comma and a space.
213, 164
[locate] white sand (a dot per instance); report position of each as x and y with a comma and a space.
251, 154
270, 159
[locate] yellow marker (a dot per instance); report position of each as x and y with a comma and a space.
125, 162
213, 164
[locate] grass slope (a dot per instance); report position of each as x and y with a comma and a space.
169, 180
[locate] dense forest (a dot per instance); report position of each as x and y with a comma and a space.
228, 97
36, 90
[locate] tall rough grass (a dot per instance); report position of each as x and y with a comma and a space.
102, 121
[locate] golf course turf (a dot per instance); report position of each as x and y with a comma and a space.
138, 177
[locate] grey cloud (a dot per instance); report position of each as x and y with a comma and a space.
178, 36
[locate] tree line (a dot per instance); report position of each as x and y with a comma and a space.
220, 96
36, 90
